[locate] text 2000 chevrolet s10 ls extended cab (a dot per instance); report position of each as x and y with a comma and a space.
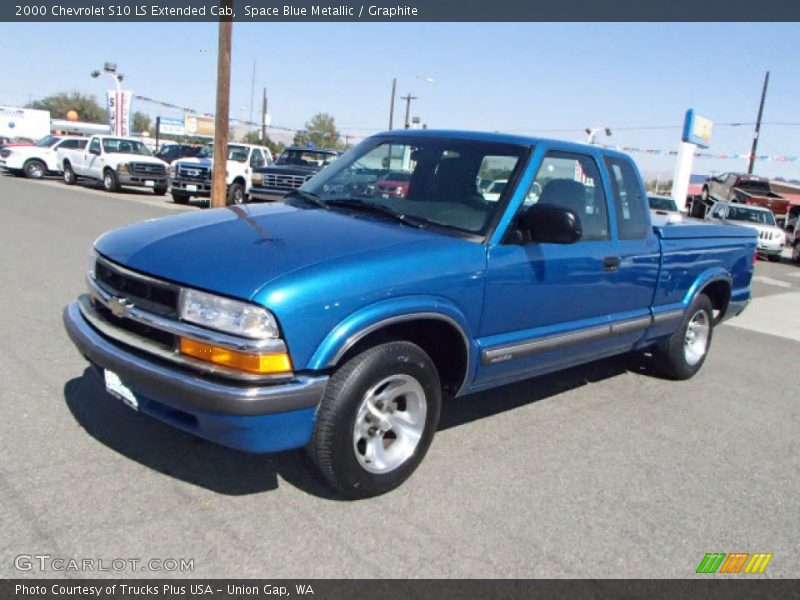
339, 318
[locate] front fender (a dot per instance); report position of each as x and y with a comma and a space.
372, 317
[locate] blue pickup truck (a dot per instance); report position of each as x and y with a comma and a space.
340, 318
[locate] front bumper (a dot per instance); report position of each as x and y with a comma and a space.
769, 248
260, 193
140, 181
191, 187
250, 417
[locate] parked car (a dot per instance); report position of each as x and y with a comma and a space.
116, 162
664, 203
292, 169
173, 152
341, 323
41, 159
191, 177
739, 188
393, 185
771, 238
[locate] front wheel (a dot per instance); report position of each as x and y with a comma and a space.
235, 194
376, 420
35, 169
179, 198
682, 355
773, 257
160, 191
796, 253
110, 181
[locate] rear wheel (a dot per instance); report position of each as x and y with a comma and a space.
35, 169
376, 420
179, 198
110, 181
69, 175
682, 355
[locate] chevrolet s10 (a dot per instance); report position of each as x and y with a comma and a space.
340, 318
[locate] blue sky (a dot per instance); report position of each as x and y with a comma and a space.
526, 77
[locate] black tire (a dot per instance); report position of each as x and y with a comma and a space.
110, 181
335, 448
35, 169
69, 175
236, 194
179, 198
796, 253
773, 257
671, 355
159, 191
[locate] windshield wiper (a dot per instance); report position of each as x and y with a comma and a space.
308, 197
374, 207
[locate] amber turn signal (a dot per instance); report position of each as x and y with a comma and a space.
262, 364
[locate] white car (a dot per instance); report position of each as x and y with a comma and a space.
116, 162
495, 189
39, 160
771, 238
192, 176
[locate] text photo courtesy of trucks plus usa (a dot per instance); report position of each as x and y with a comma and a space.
237, 326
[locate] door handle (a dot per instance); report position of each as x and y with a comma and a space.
611, 263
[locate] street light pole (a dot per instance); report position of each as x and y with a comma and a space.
391, 104
758, 125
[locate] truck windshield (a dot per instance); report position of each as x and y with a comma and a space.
305, 158
442, 188
235, 152
47, 141
123, 146
740, 213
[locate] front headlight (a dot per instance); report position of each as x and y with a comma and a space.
258, 179
172, 170
122, 168
228, 316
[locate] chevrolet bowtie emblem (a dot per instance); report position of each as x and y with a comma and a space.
120, 307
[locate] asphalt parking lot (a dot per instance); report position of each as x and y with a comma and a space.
600, 471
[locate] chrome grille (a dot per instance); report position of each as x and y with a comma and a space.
153, 295
283, 182
192, 173
147, 169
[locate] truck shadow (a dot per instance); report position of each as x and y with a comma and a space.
175, 453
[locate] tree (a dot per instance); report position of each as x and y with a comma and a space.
320, 131
61, 103
254, 137
141, 122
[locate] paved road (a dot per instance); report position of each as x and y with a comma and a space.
602, 471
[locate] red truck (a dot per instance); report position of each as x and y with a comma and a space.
739, 188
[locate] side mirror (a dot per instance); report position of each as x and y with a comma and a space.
95, 151
551, 224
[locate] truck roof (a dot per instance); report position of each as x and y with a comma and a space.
500, 138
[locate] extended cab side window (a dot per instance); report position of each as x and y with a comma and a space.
95, 145
572, 181
629, 203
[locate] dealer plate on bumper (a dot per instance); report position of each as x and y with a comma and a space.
116, 388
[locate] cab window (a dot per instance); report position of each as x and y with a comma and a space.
629, 203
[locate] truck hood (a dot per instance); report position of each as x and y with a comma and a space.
197, 162
123, 157
288, 170
237, 250
757, 226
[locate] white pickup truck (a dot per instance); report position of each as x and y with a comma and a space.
39, 160
116, 162
192, 176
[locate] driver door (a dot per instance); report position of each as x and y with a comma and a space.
549, 305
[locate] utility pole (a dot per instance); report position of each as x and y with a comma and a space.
408, 100
252, 95
391, 105
264, 118
758, 125
219, 188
